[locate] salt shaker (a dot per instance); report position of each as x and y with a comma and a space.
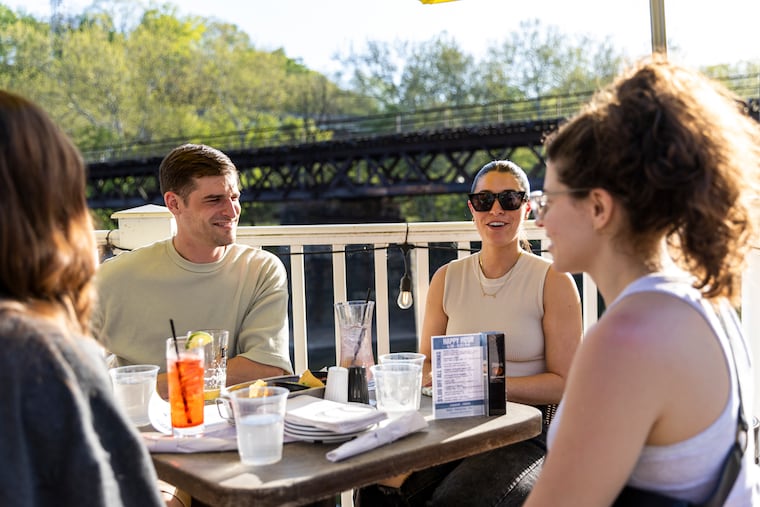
337, 384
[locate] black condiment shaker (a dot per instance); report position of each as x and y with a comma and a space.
358, 390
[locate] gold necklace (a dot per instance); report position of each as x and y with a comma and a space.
482, 275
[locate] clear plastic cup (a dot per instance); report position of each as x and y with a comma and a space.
133, 386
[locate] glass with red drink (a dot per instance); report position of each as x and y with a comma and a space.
184, 368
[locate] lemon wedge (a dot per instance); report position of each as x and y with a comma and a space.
198, 339
254, 391
308, 379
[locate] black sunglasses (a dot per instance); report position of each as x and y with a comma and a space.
509, 200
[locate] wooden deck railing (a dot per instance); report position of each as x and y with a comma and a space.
150, 223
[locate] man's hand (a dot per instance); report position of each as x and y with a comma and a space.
240, 369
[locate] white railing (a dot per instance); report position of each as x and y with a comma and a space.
146, 224
150, 223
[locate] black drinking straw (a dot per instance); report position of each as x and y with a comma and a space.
361, 333
179, 374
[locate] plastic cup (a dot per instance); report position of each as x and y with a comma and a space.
414, 357
185, 379
133, 386
260, 423
397, 387
411, 357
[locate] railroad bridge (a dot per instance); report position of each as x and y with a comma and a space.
431, 152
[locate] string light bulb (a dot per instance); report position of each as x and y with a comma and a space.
405, 298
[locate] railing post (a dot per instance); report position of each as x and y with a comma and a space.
143, 225
751, 315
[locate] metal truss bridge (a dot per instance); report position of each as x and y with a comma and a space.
432, 162
430, 152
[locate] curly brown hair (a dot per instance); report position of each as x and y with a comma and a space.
47, 244
677, 150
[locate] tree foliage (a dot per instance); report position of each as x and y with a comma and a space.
126, 80
535, 61
120, 75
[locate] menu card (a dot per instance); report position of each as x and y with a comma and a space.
459, 375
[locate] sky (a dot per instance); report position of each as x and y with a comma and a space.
699, 32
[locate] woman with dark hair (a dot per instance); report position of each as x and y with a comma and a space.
504, 287
650, 190
65, 442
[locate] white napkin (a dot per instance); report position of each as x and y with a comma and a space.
385, 434
331, 415
216, 437
218, 434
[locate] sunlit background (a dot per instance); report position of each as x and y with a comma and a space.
699, 33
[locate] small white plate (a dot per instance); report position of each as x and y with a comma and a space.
318, 432
320, 439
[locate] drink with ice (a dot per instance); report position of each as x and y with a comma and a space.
354, 319
356, 346
185, 379
214, 343
260, 438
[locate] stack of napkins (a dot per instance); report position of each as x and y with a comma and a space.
331, 415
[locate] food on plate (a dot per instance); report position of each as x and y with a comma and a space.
254, 391
308, 379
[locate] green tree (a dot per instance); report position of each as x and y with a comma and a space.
540, 60
402, 76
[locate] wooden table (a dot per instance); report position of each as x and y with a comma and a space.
305, 476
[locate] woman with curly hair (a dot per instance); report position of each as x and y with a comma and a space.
650, 190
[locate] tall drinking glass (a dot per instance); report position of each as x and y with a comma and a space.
354, 319
184, 368
214, 343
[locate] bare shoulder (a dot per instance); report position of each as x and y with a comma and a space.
647, 327
439, 277
560, 284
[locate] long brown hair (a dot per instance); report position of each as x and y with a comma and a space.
47, 245
682, 157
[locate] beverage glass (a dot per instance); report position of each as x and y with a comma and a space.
184, 368
411, 357
355, 324
133, 387
397, 387
260, 423
215, 360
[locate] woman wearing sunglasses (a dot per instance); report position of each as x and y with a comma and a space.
652, 189
506, 288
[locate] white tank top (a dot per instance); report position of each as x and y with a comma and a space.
516, 309
690, 469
